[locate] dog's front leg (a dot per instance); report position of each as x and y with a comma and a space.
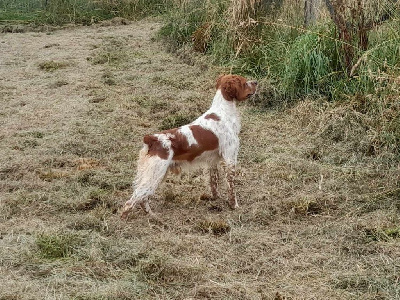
128, 207
146, 207
230, 177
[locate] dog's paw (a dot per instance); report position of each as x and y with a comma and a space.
206, 197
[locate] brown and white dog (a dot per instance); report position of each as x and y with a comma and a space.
211, 138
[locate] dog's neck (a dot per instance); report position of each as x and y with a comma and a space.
227, 110
220, 103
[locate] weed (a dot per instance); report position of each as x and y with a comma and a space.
387, 200
108, 78
30, 144
182, 22
59, 12
310, 61
50, 175
96, 197
37, 134
88, 222
353, 283
107, 56
352, 127
97, 99
178, 83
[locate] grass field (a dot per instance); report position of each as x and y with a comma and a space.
318, 216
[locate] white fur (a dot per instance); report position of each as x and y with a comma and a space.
187, 132
227, 129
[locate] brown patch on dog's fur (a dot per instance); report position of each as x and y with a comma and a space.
155, 147
212, 116
206, 141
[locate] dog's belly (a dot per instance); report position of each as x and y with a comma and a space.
206, 159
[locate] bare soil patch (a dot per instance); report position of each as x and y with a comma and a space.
75, 103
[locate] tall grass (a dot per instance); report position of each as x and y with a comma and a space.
182, 22
310, 63
20, 10
58, 12
267, 39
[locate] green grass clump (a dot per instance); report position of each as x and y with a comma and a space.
59, 12
382, 234
298, 61
159, 269
136, 9
51, 65
56, 246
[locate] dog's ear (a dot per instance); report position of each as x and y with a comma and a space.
230, 88
219, 81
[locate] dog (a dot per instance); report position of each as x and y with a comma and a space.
210, 139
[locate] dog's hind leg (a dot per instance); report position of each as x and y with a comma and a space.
230, 177
214, 178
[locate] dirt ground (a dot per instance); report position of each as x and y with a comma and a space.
75, 104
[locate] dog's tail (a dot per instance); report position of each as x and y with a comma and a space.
141, 164
151, 170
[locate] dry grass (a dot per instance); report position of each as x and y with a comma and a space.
315, 222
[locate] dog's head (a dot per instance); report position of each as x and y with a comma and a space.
235, 87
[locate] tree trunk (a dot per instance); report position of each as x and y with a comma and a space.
336, 11
311, 11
